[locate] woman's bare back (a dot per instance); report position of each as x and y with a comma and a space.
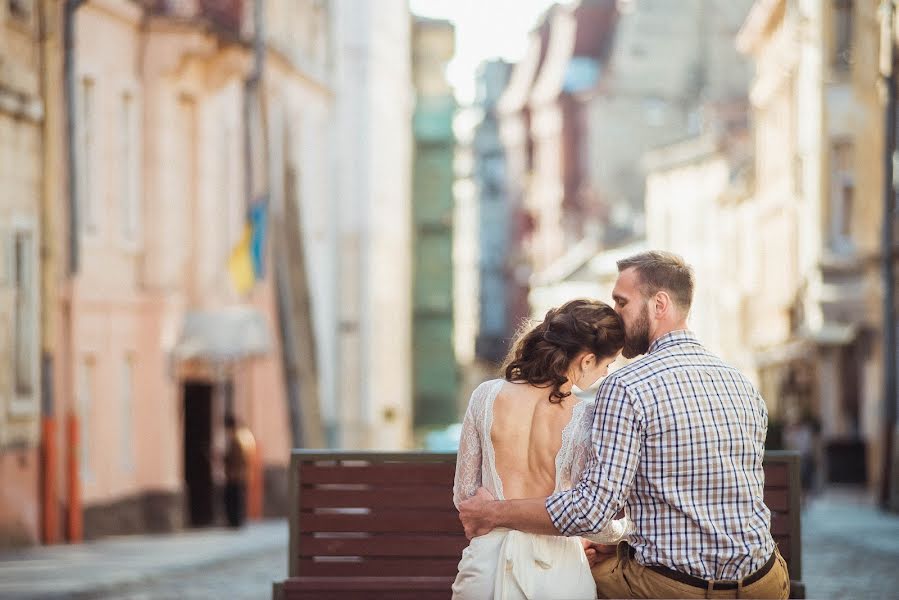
526, 437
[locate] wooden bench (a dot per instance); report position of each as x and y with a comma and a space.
383, 525
783, 495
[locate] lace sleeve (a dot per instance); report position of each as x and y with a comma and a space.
468, 461
583, 453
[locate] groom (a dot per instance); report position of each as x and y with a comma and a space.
678, 439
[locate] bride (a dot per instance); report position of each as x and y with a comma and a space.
527, 436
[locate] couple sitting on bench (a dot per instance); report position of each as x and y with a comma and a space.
675, 439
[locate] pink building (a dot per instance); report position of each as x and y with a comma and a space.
160, 344
146, 342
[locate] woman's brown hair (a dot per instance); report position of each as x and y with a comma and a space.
542, 354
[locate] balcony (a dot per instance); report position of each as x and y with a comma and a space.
222, 16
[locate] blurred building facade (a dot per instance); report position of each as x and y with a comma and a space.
513, 116
543, 115
696, 205
374, 99
668, 60
819, 145
501, 301
435, 376
579, 40
150, 148
491, 301
21, 238
888, 20
162, 345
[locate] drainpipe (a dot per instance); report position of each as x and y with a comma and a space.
890, 485
73, 513
71, 7
48, 439
251, 93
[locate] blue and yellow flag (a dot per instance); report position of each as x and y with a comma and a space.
246, 261
240, 263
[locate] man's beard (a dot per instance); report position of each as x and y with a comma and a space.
636, 339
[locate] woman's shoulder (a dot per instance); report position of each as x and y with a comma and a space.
488, 386
583, 409
485, 390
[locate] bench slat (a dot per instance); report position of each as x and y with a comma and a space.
380, 497
448, 546
370, 583
778, 500
406, 521
785, 545
777, 475
408, 474
299, 594
381, 567
780, 524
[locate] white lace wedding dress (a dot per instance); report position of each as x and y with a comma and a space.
507, 564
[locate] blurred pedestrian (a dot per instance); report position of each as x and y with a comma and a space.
801, 435
239, 451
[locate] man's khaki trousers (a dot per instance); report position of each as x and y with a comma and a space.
621, 576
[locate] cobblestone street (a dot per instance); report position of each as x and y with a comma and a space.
210, 563
243, 579
850, 549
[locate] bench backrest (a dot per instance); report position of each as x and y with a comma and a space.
374, 514
391, 514
783, 496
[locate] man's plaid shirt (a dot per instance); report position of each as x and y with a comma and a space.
678, 440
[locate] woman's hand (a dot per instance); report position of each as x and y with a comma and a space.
475, 514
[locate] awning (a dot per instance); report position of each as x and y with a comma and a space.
805, 342
782, 353
225, 335
831, 334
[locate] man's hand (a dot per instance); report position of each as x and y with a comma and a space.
474, 514
596, 553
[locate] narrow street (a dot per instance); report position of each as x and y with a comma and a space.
210, 563
850, 549
246, 578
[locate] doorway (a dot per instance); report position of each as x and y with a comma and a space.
198, 454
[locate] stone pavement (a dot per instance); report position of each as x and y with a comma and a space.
208, 563
850, 548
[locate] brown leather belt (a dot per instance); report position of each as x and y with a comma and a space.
717, 585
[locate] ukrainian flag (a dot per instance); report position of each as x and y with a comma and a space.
246, 261
240, 263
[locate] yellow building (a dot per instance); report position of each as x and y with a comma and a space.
818, 129
21, 123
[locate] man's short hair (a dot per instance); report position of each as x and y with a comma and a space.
659, 270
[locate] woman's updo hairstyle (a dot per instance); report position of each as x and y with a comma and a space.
542, 353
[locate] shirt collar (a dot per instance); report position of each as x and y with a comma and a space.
673, 338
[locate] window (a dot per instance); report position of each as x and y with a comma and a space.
130, 172
85, 156
85, 407
25, 326
126, 426
842, 38
842, 196
20, 9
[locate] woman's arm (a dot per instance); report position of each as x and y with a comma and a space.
468, 461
